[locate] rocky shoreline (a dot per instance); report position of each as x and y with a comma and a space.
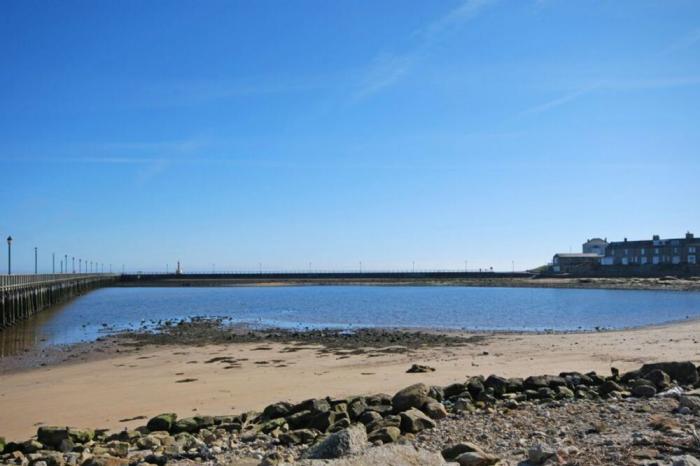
650, 416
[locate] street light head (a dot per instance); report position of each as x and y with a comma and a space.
9, 240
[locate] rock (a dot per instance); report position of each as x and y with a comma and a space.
499, 385
463, 405
454, 390
540, 453
272, 424
473, 458
564, 392
32, 446
535, 382
339, 425
392, 420
690, 402
659, 378
188, 424
414, 421
356, 407
413, 396
387, 434
391, 454
2, 444
117, 448
276, 410
52, 436
643, 390
149, 442
434, 409
314, 405
187, 441
515, 385
685, 373
163, 421
475, 385
299, 420
297, 437
369, 417
323, 421
419, 368
436, 393
345, 442
450, 453
608, 387
685, 460
105, 460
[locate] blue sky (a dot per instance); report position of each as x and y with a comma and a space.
285, 133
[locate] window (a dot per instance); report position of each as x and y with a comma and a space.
691, 249
627, 251
643, 251
656, 250
691, 259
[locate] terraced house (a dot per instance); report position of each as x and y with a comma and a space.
656, 251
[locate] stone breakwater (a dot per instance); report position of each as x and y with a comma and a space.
650, 416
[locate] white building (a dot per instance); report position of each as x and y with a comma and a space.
595, 246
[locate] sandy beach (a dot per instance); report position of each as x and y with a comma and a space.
114, 385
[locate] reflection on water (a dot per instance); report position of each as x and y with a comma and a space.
112, 309
27, 334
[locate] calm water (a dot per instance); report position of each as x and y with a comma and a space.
113, 309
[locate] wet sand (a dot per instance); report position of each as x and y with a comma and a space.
115, 383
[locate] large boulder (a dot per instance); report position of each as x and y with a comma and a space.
413, 396
163, 421
392, 454
53, 436
348, 441
413, 421
685, 373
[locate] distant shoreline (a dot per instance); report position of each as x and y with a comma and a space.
658, 284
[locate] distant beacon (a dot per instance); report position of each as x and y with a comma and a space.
178, 270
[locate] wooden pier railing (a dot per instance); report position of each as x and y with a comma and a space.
22, 296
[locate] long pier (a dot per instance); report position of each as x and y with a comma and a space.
22, 296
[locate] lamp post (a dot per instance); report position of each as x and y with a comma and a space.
36, 264
65, 263
53, 263
80, 266
73, 260
9, 255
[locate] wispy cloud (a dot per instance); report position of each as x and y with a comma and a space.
388, 68
622, 85
559, 101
